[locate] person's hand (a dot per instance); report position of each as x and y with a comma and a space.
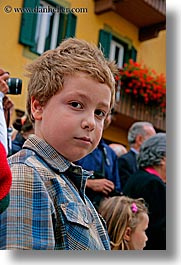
8, 106
4, 76
100, 185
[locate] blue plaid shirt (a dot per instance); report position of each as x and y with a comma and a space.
48, 206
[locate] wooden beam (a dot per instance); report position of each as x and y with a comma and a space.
147, 33
102, 6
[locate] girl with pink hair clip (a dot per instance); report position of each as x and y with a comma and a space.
127, 220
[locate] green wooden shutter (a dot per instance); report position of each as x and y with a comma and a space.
126, 55
105, 41
62, 28
71, 25
28, 23
133, 54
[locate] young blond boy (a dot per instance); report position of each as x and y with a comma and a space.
70, 92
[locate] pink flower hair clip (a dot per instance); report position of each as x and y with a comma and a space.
134, 208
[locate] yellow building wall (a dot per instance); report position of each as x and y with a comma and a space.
13, 56
153, 52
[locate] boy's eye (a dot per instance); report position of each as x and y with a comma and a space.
76, 105
100, 113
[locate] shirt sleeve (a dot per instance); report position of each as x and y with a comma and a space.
3, 127
27, 223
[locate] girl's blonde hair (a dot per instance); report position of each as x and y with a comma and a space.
47, 73
119, 213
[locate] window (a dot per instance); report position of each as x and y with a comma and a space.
116, 49
116, 53
43, 30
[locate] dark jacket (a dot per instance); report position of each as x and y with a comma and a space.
103, 161
127, 166
17, 143
153, 190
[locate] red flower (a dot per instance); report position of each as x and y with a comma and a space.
143, 83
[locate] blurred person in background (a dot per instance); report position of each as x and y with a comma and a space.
119, 149
24, 129
3, 91
6, 110
137, 134
149, 183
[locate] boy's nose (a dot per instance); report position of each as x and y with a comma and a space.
89, 122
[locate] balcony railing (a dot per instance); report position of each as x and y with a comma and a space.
137, 110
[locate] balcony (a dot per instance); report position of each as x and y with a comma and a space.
129, 110
148, 15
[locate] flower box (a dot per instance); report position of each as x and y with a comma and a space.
138, 110
141, 94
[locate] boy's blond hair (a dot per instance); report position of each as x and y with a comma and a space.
47, 73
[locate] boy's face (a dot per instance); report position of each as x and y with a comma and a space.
72, 121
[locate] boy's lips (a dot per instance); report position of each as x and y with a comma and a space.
84, 139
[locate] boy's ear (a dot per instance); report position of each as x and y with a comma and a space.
36, 109
127, 234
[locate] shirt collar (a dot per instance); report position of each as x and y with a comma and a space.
78, 176
134, 150
47, 153
56, 161
151, 170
